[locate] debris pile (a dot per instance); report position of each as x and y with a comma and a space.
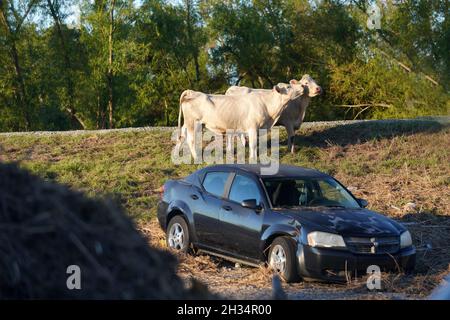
431, 236
46, 229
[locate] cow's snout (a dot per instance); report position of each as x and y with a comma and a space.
318, 90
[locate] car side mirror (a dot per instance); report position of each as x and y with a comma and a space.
251, 204
363, 203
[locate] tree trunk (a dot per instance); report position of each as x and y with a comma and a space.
197, 67
21, 92
99, 113
166, 112
261, 82
190, 39
239, 79
68, 74
110, 66
23, 97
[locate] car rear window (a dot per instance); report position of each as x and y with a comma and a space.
214, 182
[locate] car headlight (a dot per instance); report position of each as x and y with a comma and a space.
326, 240
405, 239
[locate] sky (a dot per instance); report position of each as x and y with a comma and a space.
74, 12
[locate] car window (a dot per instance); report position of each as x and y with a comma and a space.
293, 192
289, 192
333, 192
244, 188
214, 182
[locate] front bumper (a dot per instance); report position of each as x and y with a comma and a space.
335, 265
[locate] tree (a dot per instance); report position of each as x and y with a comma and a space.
191, 21
381, 88
104, 31
243, 42
54, 7
126, 62
12, 20
110, 75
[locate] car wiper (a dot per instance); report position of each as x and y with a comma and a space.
323, 206
286, 207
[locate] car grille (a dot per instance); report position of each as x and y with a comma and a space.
378, 245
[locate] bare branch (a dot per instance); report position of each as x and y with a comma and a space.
21, 20
432, 80
30, 6
361, 111
382, 105
408, 69
398, 62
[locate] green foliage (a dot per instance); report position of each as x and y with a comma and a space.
383, 89
421, 28
55, 74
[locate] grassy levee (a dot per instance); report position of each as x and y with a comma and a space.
401, 167
390, 163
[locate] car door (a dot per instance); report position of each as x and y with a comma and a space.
208, 203
241, 227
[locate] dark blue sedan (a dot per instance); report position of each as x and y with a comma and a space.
301, 222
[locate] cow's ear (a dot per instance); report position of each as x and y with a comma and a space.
293, 81
277, 89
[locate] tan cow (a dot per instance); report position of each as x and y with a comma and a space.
240, 113
292, 116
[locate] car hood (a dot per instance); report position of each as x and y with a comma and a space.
346, 222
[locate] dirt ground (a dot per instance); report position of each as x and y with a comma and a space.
234, 281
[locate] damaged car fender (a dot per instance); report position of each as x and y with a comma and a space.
279, 230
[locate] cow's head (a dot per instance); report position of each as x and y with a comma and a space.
308, 84
287, 92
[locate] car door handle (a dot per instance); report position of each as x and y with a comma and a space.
226, 208
194, 196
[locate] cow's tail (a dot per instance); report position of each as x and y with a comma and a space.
180, 114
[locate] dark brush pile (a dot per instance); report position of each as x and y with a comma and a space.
431, 236
45, 227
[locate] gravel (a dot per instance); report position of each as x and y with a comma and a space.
305, 125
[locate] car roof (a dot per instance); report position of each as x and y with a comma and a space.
283, 170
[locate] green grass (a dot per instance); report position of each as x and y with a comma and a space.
129, 166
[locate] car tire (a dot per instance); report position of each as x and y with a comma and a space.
287, 269
177, 234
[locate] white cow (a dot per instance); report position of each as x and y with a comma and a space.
292, 117
241, 113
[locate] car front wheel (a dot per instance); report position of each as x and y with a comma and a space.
282, 259
177, 236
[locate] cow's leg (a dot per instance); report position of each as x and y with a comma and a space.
291, 135
182, 134
242, 135
252, 144
229, 141
190, 138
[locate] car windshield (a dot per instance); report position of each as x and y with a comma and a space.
308, 192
